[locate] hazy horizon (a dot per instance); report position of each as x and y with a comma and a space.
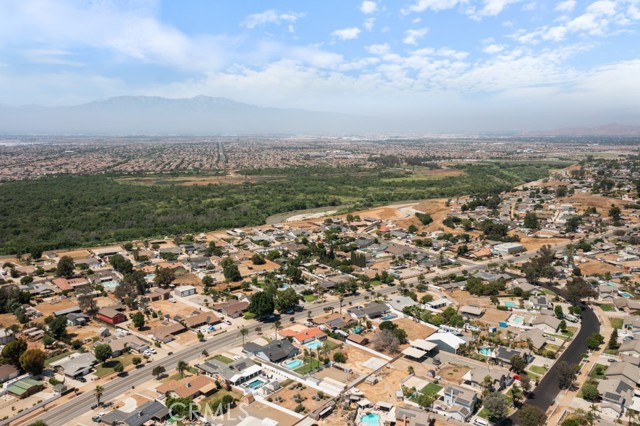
428, 66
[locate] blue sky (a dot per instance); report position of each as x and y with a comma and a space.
458, 65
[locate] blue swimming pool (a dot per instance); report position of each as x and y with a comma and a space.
388, 317
314, 345
485, 351
517, 319
255, 384
358, 329
625, 295
370, 419
511, 304
293, 364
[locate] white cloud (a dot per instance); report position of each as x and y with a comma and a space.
412, 36
368, 7
566, 6
490, 8
369, 23
492, 49
378, 49
435, 5
270, 16
347, 33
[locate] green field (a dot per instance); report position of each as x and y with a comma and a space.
79, 211
616, 322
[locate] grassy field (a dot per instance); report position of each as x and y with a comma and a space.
607, 307
431, 389
310, 364
104, 369
223, 359
616, 322
76, 211
537, 369
598, 368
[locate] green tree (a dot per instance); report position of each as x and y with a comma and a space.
32, 361
497, 406
339, 357
118, 368
615, 215
518, 364
98, 392
230, 270
566, 374
590, 392
181, 367
286, 299
530, 415
136, 360
58, 327
164, 277
103, 352
158, 371
531, 220
243, 332
257, 259
65, 267
37, 423
261, 304
12, 351
138, 320
594, 341
613, 341
558, 311
120, 264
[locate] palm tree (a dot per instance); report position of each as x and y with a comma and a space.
341, 299
276, 327
182, 366
98, 393
243, 333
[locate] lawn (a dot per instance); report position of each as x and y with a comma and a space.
616, 322
553, 348
431, 389
538, 370
223, 359
607, 307
483, 413
598, 370
104, 369
310, 298
219, 394
310, 364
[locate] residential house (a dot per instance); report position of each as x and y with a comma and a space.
25, 387
371, 310
275, 351
8, 372
504, 355
473, 311
111, 316
607, 292
546, 323
336, 321
630, 348
188, 387
539, 302
76, 320
409, 416
358, 339
623, 370
152, 411
305, 336
167, 331
447, 342
501, 378
76, 365
234, 373
508, 248
232, 309
397, 304
461, 402
126, 343
617, 395
631, 323
202, 318
535, 337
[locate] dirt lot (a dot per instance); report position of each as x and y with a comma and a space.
248, 267
583, 200
414, 329
453, 373
493, 316
532, 243
7, 320
287, 398
188, 279
75, 254
172, 309
355, 358
595, 267
48, 308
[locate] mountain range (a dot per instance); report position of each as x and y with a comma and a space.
150, 115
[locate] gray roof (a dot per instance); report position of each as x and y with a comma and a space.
276, 350
151, 410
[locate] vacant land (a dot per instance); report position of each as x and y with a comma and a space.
70, 211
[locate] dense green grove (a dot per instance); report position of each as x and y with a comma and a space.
73, 211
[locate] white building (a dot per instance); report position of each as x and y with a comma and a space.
184, 290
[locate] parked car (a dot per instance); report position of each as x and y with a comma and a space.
96, 419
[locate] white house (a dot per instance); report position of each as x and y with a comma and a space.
184, 290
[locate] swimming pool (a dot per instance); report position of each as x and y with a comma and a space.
314, 344
255, 384
485, 351
388, 317
625, 295
511, 304
516, 319
358, 329
371, 419
293, 364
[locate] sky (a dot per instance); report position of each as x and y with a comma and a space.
440, 65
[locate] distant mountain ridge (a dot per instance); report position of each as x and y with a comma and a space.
200, 115
612, 129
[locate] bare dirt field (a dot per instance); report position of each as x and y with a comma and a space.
595, 267
414, 330
7, 320
306, 395
173, 308
493, 316
453, 373
75, 254
47, 308
188, 279
231, 179
582, 201
532, 243
355, 358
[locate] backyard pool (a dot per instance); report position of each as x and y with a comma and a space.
485, 351
314, 345
358, 329
255, 384
511, 304
388, 317
371, 419
516, 319
293, 364
625, 295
